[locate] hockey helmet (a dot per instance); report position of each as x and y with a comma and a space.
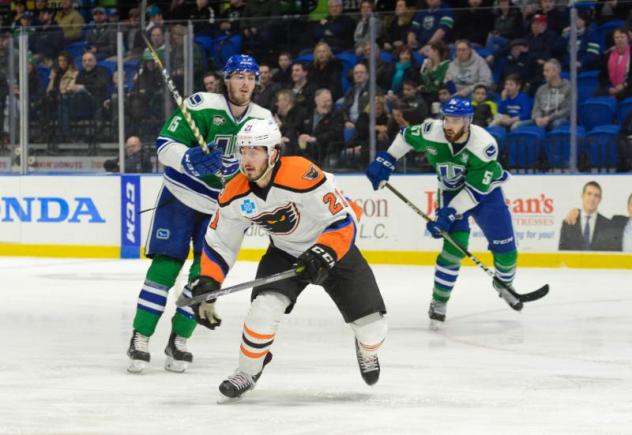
259, 133
243, 63
458, 107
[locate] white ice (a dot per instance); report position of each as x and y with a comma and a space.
562, 365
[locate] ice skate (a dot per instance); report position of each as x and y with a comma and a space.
436, 312
512, 300
178, 358
369, 365
237, 384
138, 352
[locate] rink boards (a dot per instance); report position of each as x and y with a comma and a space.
98, 217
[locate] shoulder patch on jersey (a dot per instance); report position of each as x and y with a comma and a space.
236, 188
427, 126
298, 175
218, 120
195, 100
490, 150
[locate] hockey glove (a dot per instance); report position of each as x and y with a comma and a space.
317, 262
380, 169
230, 165
204, 312
446, 216
199, 164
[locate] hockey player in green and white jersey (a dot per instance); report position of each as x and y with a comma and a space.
187, 199
464, 157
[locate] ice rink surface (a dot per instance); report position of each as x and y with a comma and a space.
562, 365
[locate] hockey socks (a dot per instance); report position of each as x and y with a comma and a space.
447, 267
505, 265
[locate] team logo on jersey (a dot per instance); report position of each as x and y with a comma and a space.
282, 220
451, 175
163, 234
248, 206
218, 120
311, 174
490, 151
431, 151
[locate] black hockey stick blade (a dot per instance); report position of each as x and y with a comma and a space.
184, 301
534, 295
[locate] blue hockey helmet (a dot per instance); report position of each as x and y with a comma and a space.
459, 107
243, 63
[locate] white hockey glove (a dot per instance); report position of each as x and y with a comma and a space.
205, 313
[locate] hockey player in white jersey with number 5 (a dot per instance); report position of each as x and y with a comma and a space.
310, 224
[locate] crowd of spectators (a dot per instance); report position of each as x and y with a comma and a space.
510, 56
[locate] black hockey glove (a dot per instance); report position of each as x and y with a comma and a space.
205, 313
317, 262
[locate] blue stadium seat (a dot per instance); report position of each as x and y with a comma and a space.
206, 42
348, 134
386, 56
597, 111
624, 109
44, 75
75, 49
601, 147
587, 85
605, 30
499, 133
131, 68
524, 147
349, 60
304, 58
109, 65
557, 146
224, 47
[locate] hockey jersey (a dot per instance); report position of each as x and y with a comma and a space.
473, 169
213, 117
299, 208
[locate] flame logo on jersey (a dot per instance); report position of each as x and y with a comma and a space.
282, 220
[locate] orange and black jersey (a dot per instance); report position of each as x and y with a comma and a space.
300, 207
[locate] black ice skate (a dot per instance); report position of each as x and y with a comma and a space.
178, 358
436, 312
239, 383
369, 365
138, 352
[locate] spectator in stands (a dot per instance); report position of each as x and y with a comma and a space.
432, 24
515, 105
59, 92
611, 10
556, 19
20, 8
616, 66
404, 69
137, 159
113, 16
588, 48
361, 33
25, 22
553, 99
543, 43
157, 39
396, 34
467, 69
325, 70
230, 18
443, 95
357, 96
212, 82
101, 39
485, 109
302, 88
203, 16
507, 26
321, 131
433, 71
383, 69
260, 25
91, 87
361, 135
408, 109
155, 18
289, 117
283, 75
133, 35
178, 10
265, 95
176, 57
473, 23
519, 62
48, 39
70, 21
336, 29
146, 101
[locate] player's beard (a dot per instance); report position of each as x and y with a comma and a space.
255, 175
239, 97
453, 137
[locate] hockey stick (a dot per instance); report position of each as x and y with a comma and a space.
183, 301
506, 291
170, 85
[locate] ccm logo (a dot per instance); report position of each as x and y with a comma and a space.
130, 212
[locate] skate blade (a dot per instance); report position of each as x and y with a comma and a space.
435, 325
225, 400
136, 366
171, 365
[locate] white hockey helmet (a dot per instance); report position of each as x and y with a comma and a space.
259, 133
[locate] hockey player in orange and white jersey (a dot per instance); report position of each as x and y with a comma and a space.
310, 224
